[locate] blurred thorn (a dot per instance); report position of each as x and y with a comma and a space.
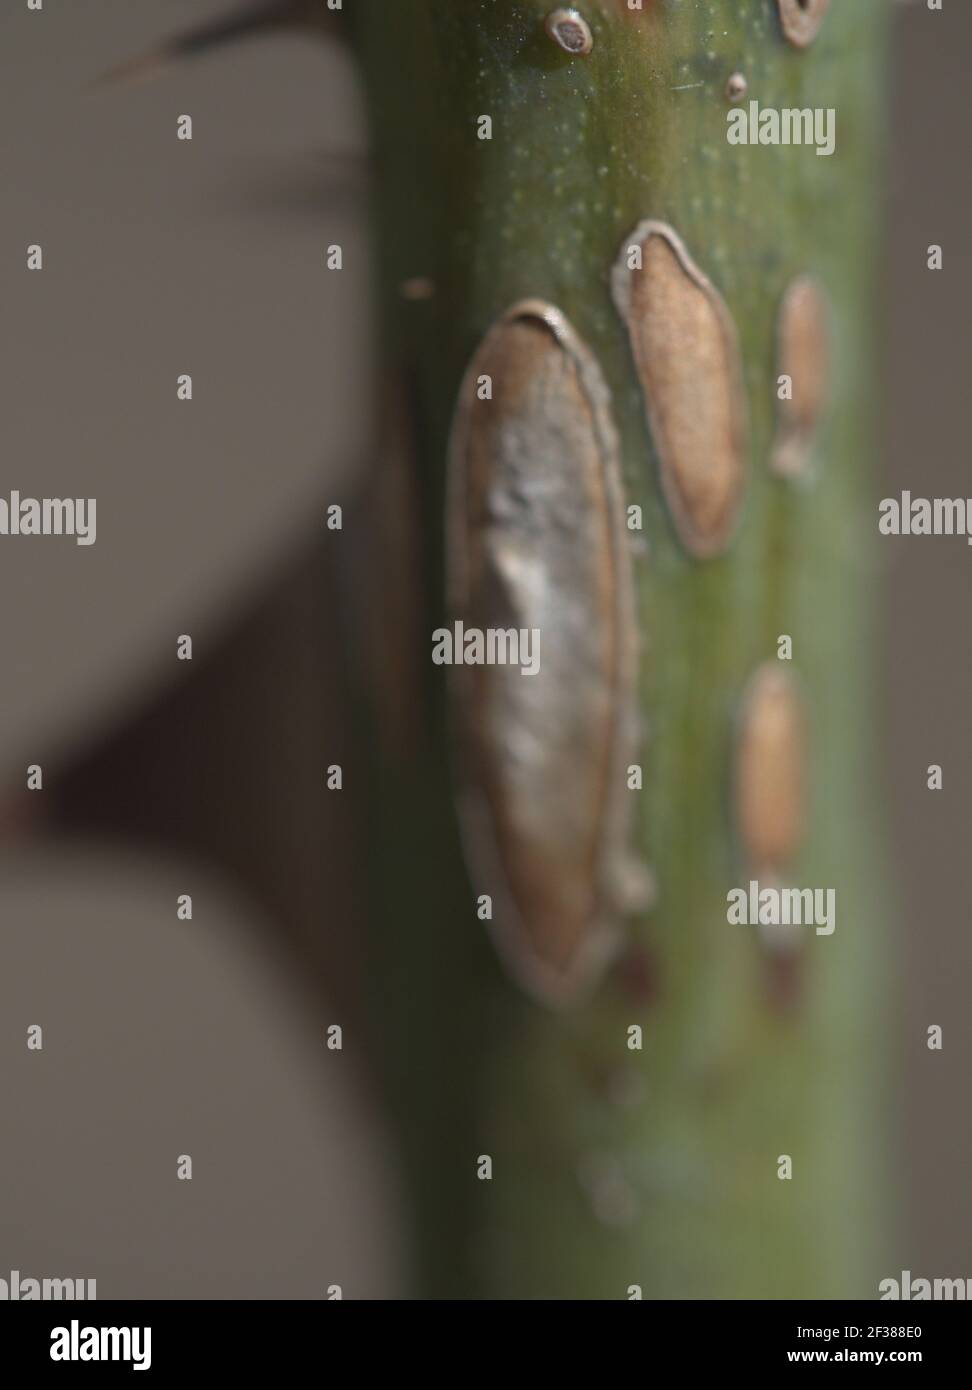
251, 20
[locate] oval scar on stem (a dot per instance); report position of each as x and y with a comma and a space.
770, 770
537, 545
570, 31
801, 20
687, 359
803, 355
736, 86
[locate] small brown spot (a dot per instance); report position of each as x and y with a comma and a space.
570, 31
686, 353
737, 87
784, 970
803, 355
637, 975
801, 19
417, 289
770, 770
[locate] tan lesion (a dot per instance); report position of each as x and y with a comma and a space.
801, 19
536, 542
771, 769
686, 354
803, 355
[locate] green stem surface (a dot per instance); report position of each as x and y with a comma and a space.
658, 1167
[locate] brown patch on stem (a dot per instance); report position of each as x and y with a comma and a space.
636, 972
784, 971
686, 353
770, 771
537, 544
801, 19
417, 288
803, 355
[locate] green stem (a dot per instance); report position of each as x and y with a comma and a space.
659, 1167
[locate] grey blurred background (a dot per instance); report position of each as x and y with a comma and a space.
926, 674
164, 1037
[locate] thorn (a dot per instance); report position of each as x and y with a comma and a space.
257, 17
